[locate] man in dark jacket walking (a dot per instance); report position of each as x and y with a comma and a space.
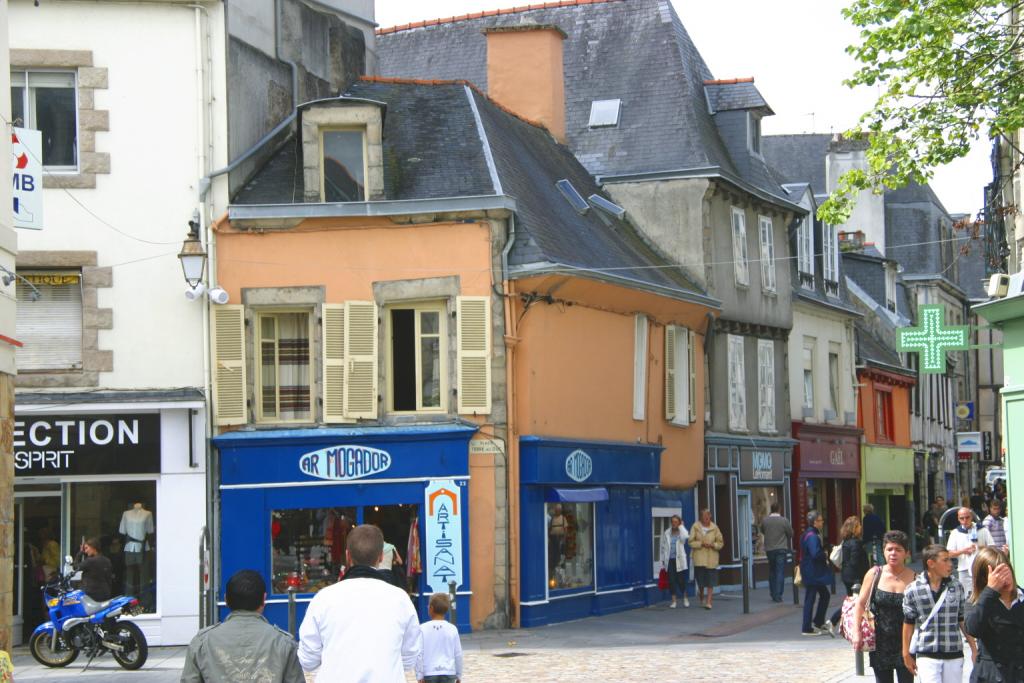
815, 574
874, 529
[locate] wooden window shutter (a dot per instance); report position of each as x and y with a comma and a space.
473, 315
693, 374
683, 396
333, 330
670, 372
229, 385
360, 354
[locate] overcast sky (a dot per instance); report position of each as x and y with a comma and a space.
794, 49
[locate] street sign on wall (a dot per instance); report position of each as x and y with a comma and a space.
27, 165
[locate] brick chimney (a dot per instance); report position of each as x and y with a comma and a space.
525, 73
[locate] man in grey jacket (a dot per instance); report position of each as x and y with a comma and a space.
778, 541
245, 646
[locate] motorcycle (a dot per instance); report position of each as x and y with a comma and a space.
80, 624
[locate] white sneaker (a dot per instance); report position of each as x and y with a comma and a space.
673, 605
686, 601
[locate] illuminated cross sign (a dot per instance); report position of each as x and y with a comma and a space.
932, 339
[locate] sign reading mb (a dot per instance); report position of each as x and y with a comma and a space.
27, 155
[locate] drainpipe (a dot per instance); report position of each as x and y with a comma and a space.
512, 447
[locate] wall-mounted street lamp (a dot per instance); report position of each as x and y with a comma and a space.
192, 255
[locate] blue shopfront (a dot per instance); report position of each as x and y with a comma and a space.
587, 545
289, 497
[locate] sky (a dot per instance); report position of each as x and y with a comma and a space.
794, 49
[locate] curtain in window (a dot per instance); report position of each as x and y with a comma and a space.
293, 361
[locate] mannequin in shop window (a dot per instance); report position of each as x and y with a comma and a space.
136, 526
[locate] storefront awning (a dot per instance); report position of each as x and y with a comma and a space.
590, 495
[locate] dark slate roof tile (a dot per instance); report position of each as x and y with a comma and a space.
729, 96
798, 158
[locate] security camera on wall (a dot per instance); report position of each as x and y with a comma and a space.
218, 295
193, 293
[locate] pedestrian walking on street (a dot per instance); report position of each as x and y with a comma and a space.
673, 558
245, 646
931, 518
362, 628
853, 565
441, 659
815, 574
778, 541
997, 620
706, 541
881, 593
996, 524
873, 530
963, 545
933, 619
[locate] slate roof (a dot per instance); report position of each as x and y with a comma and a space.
971, 270
871, 350
736, 94
636, 51
798, 158
433, 149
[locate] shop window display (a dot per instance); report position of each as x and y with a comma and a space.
122, 515
761, 499
308, 547
570, 545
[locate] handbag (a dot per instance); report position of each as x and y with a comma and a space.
663, 580
836, 556
797, 579
867, 621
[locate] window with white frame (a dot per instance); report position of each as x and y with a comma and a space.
830, 258
833, 378
639, 366
680, 376
890, 287
767, 253
49, 321
46, 101
766, 385
754, 132
739, 246
737, 385
808, 370
805, 252
417, 354
284, 348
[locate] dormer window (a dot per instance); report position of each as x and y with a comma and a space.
890, 287
754, 132
604, 113
343, 164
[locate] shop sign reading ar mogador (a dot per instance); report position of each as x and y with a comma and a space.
342, 463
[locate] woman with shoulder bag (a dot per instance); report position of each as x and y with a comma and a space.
881, 593
853, 563
997, 619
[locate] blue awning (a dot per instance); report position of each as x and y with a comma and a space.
591, 495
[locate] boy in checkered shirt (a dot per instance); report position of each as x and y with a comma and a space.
937, 652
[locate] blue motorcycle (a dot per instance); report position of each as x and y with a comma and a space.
80, 624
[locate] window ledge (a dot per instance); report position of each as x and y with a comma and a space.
770, 292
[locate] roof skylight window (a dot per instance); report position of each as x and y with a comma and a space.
610, 208
572, 196
604, 113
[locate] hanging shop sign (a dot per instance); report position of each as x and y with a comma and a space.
579, 466
50, 445
27, 154
442, 554
987, 454
344, 463
761, 466
932, 339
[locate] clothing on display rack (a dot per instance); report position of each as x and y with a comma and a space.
414, 564
136, 526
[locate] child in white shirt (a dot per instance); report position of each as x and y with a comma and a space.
440, 661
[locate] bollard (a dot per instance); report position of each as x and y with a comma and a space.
745, 577
451, 598
291, 611
858, 662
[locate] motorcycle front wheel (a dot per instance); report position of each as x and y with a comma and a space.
135, 649
39, 646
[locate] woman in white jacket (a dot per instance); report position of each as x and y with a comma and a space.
673, 558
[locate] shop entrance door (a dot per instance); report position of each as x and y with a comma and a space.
37, 554
747, 531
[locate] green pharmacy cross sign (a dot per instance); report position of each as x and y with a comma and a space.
932, 339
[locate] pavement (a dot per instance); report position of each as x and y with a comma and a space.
649, 644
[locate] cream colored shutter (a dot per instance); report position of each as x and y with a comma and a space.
683, 396
670, 372
360, 351
229, 385
333, 329
693, 374
473, 315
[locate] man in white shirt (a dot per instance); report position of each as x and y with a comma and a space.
362, 629
963, 544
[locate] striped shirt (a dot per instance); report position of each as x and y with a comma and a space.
995, 528
942, 635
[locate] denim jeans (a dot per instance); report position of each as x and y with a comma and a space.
810, 593
676, 579
776, 573
439, 679
874, 551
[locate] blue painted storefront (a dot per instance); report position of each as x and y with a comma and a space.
626, 476
264, 471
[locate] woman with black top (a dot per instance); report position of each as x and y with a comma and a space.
881, 592
853, 564
997, 620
